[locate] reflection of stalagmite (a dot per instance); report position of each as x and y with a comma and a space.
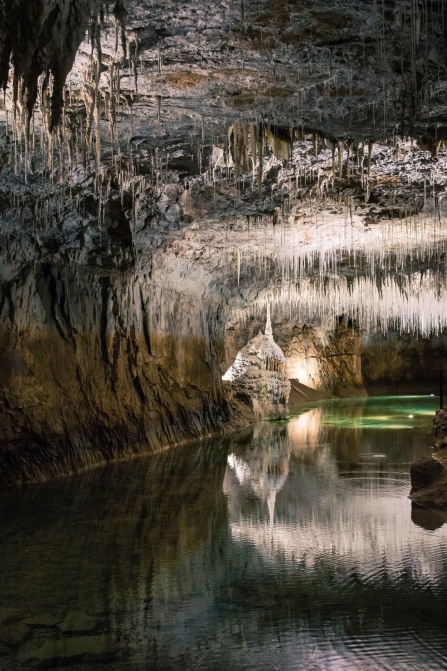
264, 470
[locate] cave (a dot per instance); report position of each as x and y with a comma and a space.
223, 333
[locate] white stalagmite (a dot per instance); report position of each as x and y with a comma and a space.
260, 371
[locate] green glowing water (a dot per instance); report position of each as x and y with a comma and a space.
379, 412
289, 546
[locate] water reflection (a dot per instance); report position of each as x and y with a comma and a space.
336, 497
289, 546
426, 518
263, 468
125, 545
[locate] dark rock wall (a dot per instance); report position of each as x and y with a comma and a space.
402, 362
97, 366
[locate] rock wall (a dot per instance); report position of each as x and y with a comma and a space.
97, 366
402, 362
326, 359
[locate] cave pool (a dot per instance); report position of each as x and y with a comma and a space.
286, 546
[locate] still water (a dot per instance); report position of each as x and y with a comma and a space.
289, 546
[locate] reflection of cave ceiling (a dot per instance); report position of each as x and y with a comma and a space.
251, 150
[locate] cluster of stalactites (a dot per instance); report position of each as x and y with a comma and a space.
415, 304
41, 38
248, 142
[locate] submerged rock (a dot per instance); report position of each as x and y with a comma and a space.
55, 654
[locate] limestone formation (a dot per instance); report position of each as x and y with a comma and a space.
260, 371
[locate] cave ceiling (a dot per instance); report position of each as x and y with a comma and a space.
243, 151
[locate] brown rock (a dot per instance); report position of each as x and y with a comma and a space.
77, 621
425, 472
13, 634
440, 429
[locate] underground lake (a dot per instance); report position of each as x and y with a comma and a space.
289, 545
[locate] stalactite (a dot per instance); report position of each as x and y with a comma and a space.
283, 251
340, 158
370, 146
260, 160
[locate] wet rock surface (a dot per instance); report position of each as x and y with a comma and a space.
425, 472
440, 430
429, 476
98, 367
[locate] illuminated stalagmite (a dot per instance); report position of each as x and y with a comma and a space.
260, 371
